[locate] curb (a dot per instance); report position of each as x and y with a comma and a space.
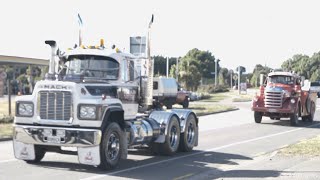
205, 114
5, 138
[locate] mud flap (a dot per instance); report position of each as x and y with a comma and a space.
89, 155
23, 151
197, 137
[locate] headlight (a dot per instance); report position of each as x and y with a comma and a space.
286, 93
25, 109
88, 112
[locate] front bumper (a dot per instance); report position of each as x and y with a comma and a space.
57, 136
273, 110
27, 137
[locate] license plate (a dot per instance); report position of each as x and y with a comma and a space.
273, 110
53, 139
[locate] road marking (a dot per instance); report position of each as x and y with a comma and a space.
197, 153
183, 177
8, 160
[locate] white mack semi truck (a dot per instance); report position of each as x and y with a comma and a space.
93, 99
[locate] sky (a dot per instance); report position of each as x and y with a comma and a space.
238, 32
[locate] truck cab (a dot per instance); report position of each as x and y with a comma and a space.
284, 96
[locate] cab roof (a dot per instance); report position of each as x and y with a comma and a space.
282, 74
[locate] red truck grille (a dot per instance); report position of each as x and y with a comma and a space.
273, 99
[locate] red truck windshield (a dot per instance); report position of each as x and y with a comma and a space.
281, 80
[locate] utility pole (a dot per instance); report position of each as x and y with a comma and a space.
167, 67
216, 73
231, 74
177, 69
239, 79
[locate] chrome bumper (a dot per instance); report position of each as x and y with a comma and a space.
57, 136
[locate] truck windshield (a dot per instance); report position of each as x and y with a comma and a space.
92, 67
281, 79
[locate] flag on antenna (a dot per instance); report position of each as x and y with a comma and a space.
79, 20
151, 21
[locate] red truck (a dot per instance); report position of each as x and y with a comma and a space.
285, 96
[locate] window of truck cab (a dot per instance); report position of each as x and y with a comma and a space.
281, 79
93, 67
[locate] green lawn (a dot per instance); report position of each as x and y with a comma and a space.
4, 109
308, 147
5, 129
204, 109
215, 97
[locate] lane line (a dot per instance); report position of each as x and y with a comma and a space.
198, 153
8, 160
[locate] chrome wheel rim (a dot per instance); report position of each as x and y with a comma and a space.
173, 136
190, 133
113, 146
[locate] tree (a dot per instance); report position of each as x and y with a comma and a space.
259, 69
223, 76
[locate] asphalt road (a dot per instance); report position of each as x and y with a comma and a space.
227, 141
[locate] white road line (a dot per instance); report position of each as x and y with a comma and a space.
202, 152
7, 160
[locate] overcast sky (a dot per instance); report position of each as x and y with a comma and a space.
239, 32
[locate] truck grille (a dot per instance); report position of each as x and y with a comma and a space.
55, 105
273, 99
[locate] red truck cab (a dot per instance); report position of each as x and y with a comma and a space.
283, 97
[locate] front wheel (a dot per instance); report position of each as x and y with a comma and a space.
257, 117
294, 121
188, 138
39, 154
111, 145
171, 144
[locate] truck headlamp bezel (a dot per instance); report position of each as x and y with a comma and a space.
87, 112
286, 94
28, 109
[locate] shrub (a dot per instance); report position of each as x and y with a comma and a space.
6, 119
214, 89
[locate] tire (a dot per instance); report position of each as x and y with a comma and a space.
39, 154
310, 117
294, 121
172, 139
277, 118
110, 147
272, 118
185, 103
169, 106
188, 138
257, 117
304, 118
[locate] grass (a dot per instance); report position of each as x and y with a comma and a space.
205, 109
215, 97
309, 147
4, 108
5, 129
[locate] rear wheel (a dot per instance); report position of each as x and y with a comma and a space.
310, 117
257, 117
110, 148
171, 144
39, 154
185, 103
188, 138
169, 106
